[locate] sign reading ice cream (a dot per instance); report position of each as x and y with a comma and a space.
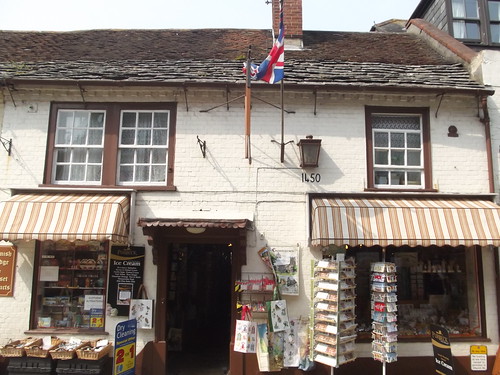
7, 270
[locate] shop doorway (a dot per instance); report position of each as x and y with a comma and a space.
199, 308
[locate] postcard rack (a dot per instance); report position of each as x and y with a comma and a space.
334, 319
384, 312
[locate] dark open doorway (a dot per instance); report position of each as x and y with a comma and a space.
199, 308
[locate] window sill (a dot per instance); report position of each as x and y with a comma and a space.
116, 188
71, 331
402, 190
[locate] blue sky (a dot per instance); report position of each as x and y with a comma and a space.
69, 15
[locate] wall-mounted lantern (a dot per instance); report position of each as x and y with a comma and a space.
309, 151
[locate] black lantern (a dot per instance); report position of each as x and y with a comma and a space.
309, 151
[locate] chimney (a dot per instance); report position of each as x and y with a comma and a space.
292, 19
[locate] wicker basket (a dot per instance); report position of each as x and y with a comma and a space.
40, 352
88, 352
58, 353
18, 348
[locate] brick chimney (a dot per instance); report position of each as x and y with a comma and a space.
292, 18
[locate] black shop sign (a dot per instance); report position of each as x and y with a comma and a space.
442, 350
126, 272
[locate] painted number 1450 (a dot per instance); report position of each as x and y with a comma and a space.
313, 177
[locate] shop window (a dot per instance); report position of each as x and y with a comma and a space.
70, 286
436, 285
111, 144
397, 148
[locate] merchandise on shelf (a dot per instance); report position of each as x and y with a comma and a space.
333, 312
384, 312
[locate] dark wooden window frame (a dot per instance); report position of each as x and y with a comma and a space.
111, 140
426, 146
483, 21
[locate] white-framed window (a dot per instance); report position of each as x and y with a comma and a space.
78, 147
466, 24
143, 147
397, 150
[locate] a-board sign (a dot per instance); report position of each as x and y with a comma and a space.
478, 358
125, 347
7, 270
443, 359
126, 272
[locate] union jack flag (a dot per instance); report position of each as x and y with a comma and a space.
272, 68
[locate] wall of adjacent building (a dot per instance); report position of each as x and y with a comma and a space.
224, 183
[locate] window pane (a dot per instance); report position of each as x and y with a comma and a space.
62, 173
472, 30
398, 178
142, 156
128, 137
128, 119
144, 137
79, 155
159, 156
126, 173
63, 137
160, 137
127, 156
413, 140
459, 29
414, 178
95, 155
63, 155
65, 119
494, 10
145, 120
161, 120
413, 158
79, 137
97, 120
95, 137
471, 9
458, 7
397, 140
142, 173
93, 173
158, 173
396, 122
77, 173
81, 119
381, 139
381, 177
495, 33
397, 157
381, 157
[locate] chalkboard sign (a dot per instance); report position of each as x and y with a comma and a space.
126, 273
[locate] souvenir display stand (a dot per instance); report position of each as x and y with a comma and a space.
333, 323
384, 313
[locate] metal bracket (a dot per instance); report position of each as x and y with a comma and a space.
7, 144
203, 147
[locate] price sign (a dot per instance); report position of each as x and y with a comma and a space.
479, 358
125, 346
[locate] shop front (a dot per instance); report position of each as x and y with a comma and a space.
444, 249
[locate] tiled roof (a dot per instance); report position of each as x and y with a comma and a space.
215, 56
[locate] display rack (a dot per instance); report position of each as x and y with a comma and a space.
255, 290
334, 319
384, 312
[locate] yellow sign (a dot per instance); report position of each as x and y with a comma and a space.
125, 358
478, 349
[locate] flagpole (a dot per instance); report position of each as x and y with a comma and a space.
282, 89
248, 103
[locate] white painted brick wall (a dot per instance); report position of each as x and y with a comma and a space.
225, 183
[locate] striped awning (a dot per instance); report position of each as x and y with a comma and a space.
46, 216
413, 222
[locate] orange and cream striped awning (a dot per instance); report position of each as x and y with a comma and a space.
413, 222
47, 216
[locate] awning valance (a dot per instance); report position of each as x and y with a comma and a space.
413, 222
47, 216
193, 223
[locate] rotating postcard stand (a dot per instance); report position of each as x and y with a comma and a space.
334, 320
384, 313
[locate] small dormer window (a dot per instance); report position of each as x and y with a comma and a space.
466, 23
494, 15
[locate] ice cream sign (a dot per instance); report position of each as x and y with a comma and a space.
7, 270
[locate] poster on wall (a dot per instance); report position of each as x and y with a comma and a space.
126, 272
286, 266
